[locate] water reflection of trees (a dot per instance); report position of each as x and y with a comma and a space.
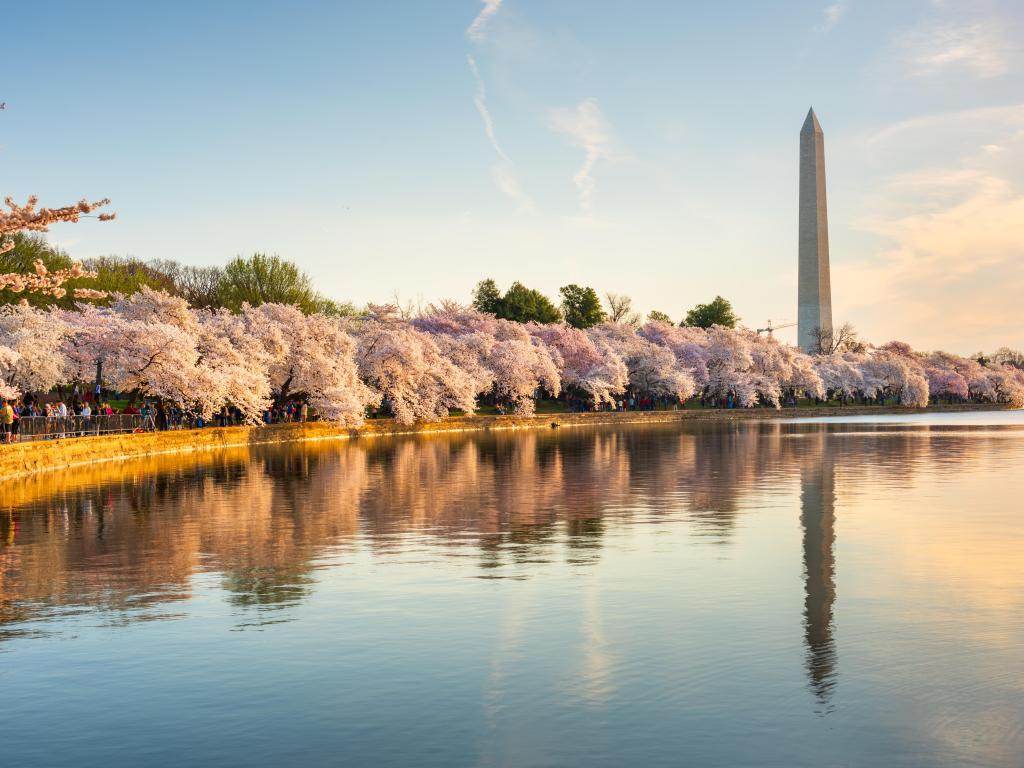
261, 519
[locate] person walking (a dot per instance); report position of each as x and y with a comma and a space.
19, 411
148, 422
6, 420
86, 415
62, 417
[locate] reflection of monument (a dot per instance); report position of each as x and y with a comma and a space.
817, 518
814, 300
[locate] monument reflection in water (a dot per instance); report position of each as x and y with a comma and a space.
817, 516
593, 596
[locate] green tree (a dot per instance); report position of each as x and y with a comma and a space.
718, 312
487, 297
114, 274
332, 308
263, 279
125, 275
654, 316
524, 304
29, 248
581, 306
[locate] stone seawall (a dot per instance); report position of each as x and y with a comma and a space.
22, 459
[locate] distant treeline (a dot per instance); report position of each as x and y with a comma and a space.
269, 279
258, 279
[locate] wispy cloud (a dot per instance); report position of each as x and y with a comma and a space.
833, 14
504, 172
586, 128
959, 128
480, 100
979, 49
478, 29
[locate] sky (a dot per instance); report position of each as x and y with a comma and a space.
644, 148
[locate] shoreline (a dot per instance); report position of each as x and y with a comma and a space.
40, 457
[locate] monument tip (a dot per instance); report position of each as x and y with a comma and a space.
811, 123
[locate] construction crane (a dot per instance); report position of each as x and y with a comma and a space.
769, 328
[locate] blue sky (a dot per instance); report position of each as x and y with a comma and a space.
646, 148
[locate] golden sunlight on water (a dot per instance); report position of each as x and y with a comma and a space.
727, 593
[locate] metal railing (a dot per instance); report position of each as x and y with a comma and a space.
54, 427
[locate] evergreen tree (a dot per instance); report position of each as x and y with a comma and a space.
654, 316
581, 306
524, 304
718, 312
487, 297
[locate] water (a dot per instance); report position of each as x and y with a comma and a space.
764, 594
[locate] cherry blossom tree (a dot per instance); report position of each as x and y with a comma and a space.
148, 343
8, 359
840, 374
30, 218
728, 363
36, 338
1013, 388
894, 370
449, 318
915, 392
945, 375
93, 333
689, 345
235, 363
1006, 384
404, 366
49, 283
497, 355
520, 369
157, 345
151, 346
594, 369
776, 367
652, 369
312, 355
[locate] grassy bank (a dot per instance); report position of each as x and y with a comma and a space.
24, 459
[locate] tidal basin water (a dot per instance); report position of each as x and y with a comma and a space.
771, 594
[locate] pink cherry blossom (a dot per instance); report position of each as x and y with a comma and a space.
312, 355
405, 367
652, 369
594, 369
36, 338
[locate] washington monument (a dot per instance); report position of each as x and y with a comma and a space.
814, 301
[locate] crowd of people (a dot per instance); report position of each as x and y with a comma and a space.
32, 418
